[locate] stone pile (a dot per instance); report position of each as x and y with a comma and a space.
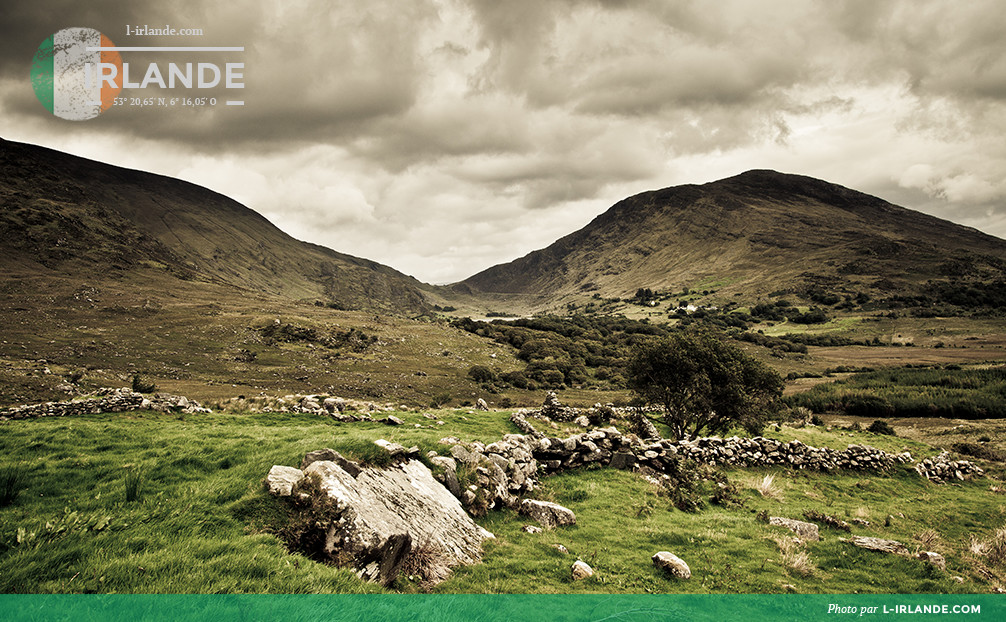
943, 468
555, 411
597, 446
107, 400
492, 476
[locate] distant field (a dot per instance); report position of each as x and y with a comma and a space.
951, 393
202, 522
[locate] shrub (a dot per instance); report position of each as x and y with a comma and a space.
440, 399
481, 374
141, 385
881, 427
978, 451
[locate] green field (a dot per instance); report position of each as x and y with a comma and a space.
202, 523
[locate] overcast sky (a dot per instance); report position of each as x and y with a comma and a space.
444, 136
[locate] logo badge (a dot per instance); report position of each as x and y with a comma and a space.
66, 75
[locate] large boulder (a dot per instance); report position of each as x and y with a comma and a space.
376, 520
547, 513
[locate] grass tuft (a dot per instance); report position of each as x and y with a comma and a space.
767, 488
134, 484
12, 478
794, 556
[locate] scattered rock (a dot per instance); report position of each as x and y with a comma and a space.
393, 420
547, 513
561, 549
673, 564
933, 558
807, 531
392, 448
581, 570
827, 519
481, 405
530, 529
878, 544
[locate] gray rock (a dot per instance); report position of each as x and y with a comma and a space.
392, 448
622, 460
674, 565
481, 405
879, 544
530, 529
547, 513
281, 480
581, 570
807, 531
381, 517
393, 420
933, 558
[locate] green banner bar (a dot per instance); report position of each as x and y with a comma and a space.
488, 608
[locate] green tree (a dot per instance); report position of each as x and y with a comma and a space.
703, 384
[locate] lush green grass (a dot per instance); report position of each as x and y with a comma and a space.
201, 521
972, 393
623, 521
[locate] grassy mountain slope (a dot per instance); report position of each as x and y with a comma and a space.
68, 214
748, 235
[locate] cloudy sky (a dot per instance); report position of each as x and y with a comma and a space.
443, 136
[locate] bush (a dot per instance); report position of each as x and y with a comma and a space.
881, 427
481, 374
141, 385
440, 399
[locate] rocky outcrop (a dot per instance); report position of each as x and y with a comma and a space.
379, 520
672, 564
807, 531
106, 401
944, 468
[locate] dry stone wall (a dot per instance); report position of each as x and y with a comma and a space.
107, 401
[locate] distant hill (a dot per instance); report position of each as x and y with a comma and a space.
747, 237
63, 214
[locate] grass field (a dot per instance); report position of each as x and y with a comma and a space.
201, 521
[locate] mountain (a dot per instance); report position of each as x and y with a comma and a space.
63, 214
746, 237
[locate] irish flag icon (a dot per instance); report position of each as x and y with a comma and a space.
73, 77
